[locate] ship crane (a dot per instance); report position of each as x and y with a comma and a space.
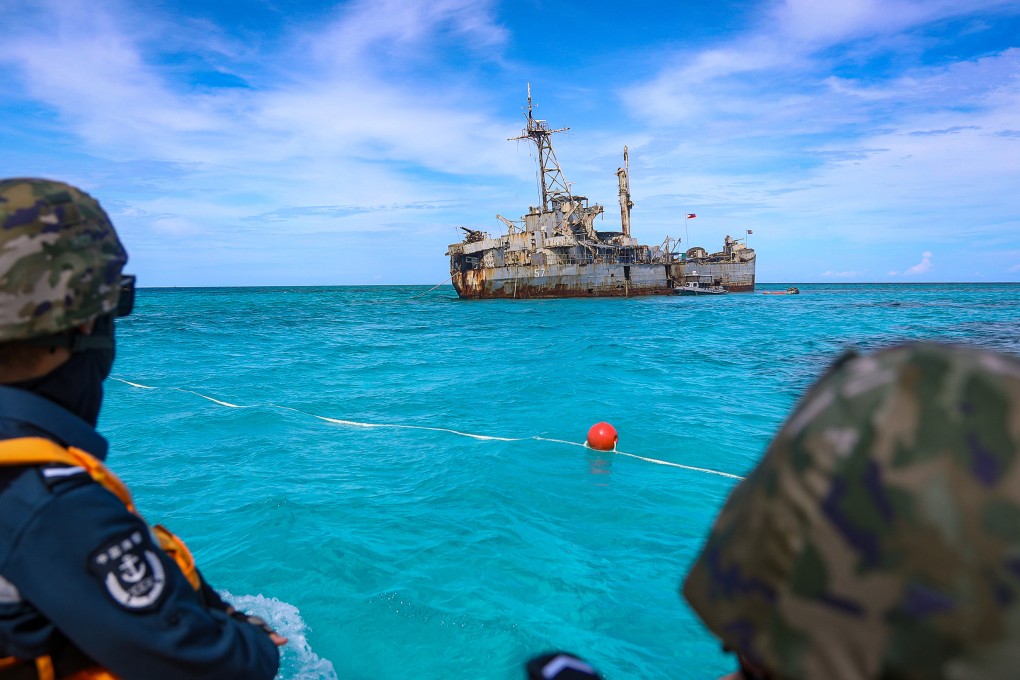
511, 225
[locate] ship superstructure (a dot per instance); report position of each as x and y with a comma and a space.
556, 251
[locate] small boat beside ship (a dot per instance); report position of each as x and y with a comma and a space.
789, 291
556, 251
696, 288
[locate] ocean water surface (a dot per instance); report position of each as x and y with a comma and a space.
393, 476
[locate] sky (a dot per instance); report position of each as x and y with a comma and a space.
339, 143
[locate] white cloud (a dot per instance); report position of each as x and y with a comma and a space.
334, 101
787, 127
325, 121
923, 266
778, 79
778, 72
395, 26
818, 24
371, 117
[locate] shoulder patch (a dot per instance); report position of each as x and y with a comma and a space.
130, 570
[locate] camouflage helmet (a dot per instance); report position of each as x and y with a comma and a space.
60, 259
879, 537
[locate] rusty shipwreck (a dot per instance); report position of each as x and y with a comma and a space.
556, 251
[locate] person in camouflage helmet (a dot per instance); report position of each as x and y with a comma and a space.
61, 262
879, 537
85, 589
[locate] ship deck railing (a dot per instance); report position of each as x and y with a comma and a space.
478, 263
602, 260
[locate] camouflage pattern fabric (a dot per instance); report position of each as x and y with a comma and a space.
60, 259
879, 537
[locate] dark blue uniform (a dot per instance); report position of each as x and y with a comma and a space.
77, 570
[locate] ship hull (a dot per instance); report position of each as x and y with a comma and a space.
598, 279
561, 281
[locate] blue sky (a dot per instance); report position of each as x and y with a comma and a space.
294, 143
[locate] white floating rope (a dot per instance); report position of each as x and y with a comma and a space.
482, 437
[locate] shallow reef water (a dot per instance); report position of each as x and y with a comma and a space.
395, 477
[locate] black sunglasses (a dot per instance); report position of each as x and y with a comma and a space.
126, 301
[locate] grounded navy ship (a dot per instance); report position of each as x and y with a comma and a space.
556, 251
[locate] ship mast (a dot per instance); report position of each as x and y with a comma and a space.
554, 186
623, 174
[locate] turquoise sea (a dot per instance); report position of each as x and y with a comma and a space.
393, 476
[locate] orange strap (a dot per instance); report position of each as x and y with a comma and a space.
173, 546
44, 670
44, 667
37, 451
96, 673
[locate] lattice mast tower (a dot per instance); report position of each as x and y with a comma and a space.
554, 186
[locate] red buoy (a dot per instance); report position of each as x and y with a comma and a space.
602, 437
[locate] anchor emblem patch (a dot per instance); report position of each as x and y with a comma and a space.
130, 570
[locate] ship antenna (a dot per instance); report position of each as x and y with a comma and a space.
553, 184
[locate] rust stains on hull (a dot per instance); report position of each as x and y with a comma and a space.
741, 288
528, 291
486, 284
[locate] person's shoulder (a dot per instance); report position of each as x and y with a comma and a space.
50, 498
26, 489
48, 478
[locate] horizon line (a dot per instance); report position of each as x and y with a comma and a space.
769, 283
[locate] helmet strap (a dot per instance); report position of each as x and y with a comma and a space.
75, 341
